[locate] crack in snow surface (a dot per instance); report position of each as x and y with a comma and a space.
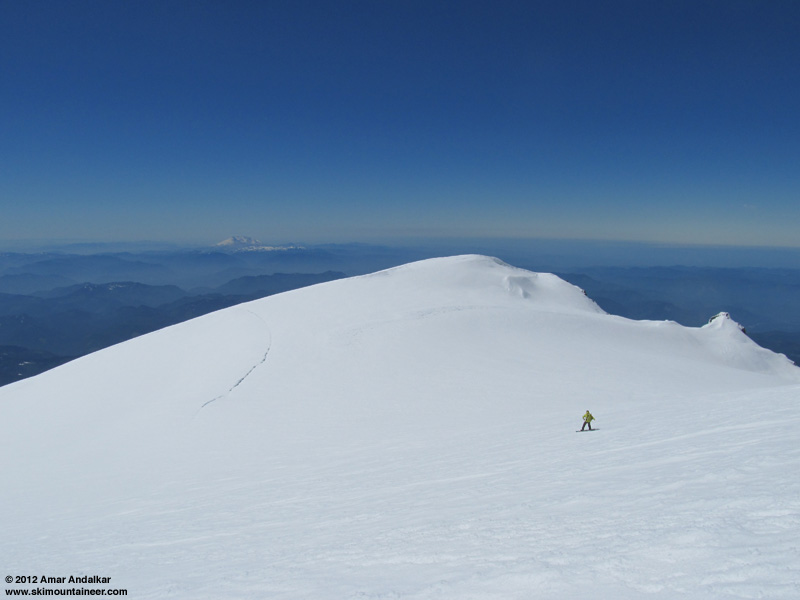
253, 368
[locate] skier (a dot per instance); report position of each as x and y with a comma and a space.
587, 420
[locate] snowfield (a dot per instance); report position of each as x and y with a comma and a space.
411, 434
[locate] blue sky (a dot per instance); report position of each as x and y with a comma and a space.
666, 122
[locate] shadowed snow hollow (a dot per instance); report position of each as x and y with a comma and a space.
410, 434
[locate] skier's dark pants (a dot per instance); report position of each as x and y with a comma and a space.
585, 423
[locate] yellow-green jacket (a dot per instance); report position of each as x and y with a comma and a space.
588, 417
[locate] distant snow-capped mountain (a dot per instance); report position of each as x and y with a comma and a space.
411, 434
239, 243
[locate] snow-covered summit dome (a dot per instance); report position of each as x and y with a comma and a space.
485, 280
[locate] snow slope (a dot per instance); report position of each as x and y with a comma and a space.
410, 434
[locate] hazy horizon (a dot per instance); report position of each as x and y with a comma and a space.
523, 252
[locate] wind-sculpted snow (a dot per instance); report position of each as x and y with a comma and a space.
410, 434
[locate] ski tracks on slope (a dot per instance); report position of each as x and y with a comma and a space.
251, 369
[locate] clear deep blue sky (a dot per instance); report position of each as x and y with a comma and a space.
332, 121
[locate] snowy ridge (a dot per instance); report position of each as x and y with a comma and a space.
727, 340
410, 434
473, 275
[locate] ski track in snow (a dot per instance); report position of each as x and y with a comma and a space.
253, 368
